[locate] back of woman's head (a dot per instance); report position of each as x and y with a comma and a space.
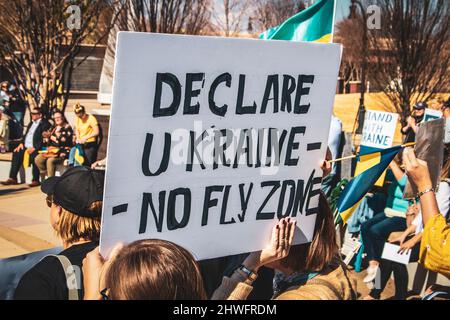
318, 254
154, 270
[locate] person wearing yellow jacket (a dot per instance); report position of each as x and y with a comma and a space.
435, 244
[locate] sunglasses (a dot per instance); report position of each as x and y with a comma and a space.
49, 201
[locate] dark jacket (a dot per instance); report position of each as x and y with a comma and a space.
38, 141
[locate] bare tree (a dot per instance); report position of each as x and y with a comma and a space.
410, 54
270, 13
229, 16
168, 16
349, 34
39, 40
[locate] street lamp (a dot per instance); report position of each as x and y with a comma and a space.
362, 109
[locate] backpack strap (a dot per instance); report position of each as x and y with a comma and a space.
70, 274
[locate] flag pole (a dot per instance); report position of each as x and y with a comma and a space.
409, 144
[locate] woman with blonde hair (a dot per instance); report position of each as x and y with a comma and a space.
75, 202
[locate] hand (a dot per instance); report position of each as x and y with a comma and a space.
410, 121
278, 248
399, 239
19, 147
94, 271
31, 150
393, 164
325, 164
53, 138
416, 170
82, 141
407, 246
96, 164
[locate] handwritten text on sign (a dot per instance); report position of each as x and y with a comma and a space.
212, 139
379, 129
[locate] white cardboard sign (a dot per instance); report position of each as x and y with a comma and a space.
390, 252
431, 114
379, 129
212, 139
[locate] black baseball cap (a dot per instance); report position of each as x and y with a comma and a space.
76, 189
420, 106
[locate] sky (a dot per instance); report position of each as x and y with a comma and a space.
342, 9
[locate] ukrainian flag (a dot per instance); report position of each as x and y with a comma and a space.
375, 164
312, 24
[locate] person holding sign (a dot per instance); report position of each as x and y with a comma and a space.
143, 270
309, 271
158, 269
435, 244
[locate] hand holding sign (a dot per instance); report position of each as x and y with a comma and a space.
280, 242
416, 170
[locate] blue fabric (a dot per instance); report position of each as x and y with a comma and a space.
362, 183
72, 161
359, 257
370, 205
376, 231
395, 199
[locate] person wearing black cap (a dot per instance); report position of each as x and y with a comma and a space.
413, 121
75, 200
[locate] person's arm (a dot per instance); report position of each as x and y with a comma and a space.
419, 175
407, 246
396, 170
94, 272
411, 229
405, 129
238, 286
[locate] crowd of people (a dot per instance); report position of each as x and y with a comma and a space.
45, 143
159, 269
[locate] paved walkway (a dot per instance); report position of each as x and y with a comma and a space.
24, 221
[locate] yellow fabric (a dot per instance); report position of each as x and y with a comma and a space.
367, 162
348, 213
78, 157
324, 39
435, 246
26, 159
86, 128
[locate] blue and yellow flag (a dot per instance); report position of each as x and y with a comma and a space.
375, 164
312, 24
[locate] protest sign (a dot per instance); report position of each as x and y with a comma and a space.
429, 147
378, 133
212, 139
431, 114
379, 129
